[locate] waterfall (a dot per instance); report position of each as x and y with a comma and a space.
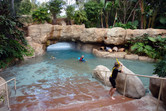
61, 46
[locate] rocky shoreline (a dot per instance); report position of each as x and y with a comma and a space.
121, 55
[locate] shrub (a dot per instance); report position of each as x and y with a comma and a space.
25, 7
128, 25
80, 17
41, 15
160, 68
12, 42
149, 46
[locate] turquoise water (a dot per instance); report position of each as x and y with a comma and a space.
65, 65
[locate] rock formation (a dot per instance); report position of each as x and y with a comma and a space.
154, 87
2, 90
134, 86
43, 35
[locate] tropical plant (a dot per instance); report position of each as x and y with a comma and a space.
80, 17
25, 7
12, 42
160, 68
129, 25
70, 13
41, 15
92, 10
55, 7
150, 46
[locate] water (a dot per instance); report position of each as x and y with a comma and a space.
62, 64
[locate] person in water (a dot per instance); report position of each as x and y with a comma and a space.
82, 58
113, 76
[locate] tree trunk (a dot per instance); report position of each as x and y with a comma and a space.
144, 21
13, 11
54, 19
150, 19
133, 16
115, 18
142, 13
153, 18
106, 19
101, 19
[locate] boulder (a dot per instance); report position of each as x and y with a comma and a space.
69, 32
155, 32
100, 53
39, 48
131, 56
154, 87
144, 58
2, 90
39, 33
134, 86
134, 33
115, 36
93, 35
102, 73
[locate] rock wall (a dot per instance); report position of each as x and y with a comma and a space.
43, 35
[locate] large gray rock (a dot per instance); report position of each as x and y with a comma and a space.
134, 86
115, 36
154, 87
134, 33
40, 33
105, 54
131, 56
86, 47
69, 32
93, 35
144, 58
2, 89
39, 48
102, 74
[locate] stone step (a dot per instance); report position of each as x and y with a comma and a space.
58, 94
93, 105
69, 104
59, 88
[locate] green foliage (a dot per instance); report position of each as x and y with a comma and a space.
80, 17
129, 25
70, 12
160, 68
92, 10
55, 6
12, 41
41, 15
149, 46
25, 7
26, 19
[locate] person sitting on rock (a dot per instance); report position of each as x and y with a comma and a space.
113, 77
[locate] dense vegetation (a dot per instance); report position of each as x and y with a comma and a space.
148, 46
12, 43
102, 13
160, 68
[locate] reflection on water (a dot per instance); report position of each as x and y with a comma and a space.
65, 65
